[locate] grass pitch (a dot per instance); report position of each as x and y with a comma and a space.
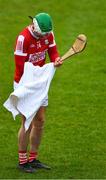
74, 142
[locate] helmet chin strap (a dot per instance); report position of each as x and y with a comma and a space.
36, 35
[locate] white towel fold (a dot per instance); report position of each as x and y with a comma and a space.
31, 92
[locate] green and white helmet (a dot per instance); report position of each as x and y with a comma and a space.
43, 23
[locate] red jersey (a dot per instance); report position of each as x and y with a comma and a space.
29, 48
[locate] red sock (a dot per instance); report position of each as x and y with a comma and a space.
32, 156
22, 157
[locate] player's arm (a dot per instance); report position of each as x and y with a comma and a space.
53, 52
20, 56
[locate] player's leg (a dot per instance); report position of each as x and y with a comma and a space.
23, 137
37, 129
35, 138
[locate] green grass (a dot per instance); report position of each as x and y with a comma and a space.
74, 142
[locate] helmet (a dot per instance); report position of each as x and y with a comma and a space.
43, 23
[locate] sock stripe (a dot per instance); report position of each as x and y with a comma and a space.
32, 156
23, 162
22, 157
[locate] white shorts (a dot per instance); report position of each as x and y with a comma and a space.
45, 101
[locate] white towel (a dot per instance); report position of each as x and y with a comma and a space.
32, 90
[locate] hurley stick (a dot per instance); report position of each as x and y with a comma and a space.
77, 47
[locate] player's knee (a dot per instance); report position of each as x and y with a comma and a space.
39, 123
41, 119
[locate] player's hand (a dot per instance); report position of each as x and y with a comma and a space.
58, 62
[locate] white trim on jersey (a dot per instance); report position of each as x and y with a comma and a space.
19, 53
20, 42
52, 45
19, 46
